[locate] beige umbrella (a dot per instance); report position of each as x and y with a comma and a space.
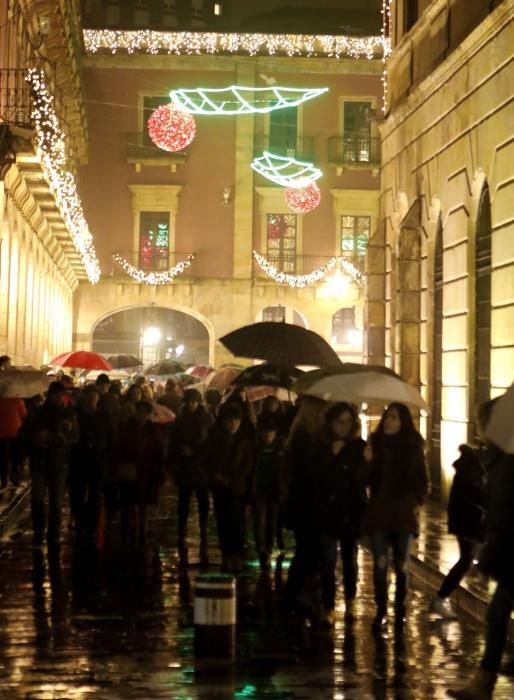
22, 383
500, 428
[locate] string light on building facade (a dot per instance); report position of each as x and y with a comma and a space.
301, 281
171, 129
238, 99
195, 43
153, 278
285, 171
302, 199
386, 43
51, 146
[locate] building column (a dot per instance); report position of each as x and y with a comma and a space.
29, 312
375, 302
21, 349
12, 311
5, 266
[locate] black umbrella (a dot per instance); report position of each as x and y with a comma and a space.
268, 375
121, 361
282, 344
165, 367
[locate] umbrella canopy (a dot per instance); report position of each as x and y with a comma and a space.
376, 385
268, 375
22, 383
282, 344
164, 367
160, 414
200, 371
221, 379
258, 393
308, 379
81, 359
499, 429
121, 361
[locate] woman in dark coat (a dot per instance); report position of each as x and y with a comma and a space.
338, 504
229, 462
466, 520
396, 474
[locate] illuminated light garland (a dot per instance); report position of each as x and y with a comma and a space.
286, 172
302, 199
51, 145
195, 43
233, 99
301, 281
153, 277
386, 42
171, 129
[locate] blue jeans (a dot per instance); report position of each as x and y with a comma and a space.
400, 543
498, 617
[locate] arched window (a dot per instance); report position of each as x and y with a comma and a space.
483, 300
435, 456
282, 314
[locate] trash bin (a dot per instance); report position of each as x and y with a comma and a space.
215, 616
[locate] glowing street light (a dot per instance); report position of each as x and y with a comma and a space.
151, 335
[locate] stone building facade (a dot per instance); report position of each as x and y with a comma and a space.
39, 264
440, 306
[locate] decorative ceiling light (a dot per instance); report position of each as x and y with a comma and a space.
194, 43
51, 145
153, 278
286, 172
301, 281
170, 128
302, 200
241, 100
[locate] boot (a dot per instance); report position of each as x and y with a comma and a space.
481, 687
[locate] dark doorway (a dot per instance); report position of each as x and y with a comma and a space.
435, 454
483, 300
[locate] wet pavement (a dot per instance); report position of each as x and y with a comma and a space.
119, 626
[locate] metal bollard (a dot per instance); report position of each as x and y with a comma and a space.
215, 616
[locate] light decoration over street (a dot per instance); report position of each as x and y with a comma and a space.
153, 278
238, 99
301, 281
302, 198
51, 147
171, 129
284, 171
195, 43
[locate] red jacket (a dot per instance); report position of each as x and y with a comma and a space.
12, 413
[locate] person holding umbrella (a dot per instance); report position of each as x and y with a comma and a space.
395, 472
12, 414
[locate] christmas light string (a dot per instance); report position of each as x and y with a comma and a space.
51, 145
153, 278
386, 43
238, 99
302, 199
285, 171
171, 129
301, 281
195, 43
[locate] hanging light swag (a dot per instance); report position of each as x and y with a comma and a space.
153, 278
301, 281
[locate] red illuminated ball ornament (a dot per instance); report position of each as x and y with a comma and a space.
302, 200
170, 128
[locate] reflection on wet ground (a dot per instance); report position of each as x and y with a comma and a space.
119, 627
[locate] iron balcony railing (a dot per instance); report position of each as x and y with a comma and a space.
354, 149
139, 146
304, 264
15, 98
300, 148
159, 260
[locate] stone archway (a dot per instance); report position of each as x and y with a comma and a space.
175, 333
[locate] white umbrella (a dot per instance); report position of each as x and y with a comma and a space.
370, 387
500, 428
22, 383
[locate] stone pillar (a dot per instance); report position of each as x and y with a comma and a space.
408, 310
29, 312
243, 177
21, 311
5, 265
375, 299
12, 309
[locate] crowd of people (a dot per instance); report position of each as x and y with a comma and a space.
269, 467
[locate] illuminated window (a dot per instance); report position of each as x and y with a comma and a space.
357, 132
281, 241
218, 9
343, 326
154, 240
355, 232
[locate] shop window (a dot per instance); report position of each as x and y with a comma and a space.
154, 240
281, 241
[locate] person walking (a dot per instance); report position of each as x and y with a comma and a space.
12, 414
191, 430
49, 432
229, 460
466, 520
269, 487
338, 505
395, 471
497, 562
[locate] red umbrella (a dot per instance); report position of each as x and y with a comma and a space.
201, 371
81, 359
222, 378
161, 414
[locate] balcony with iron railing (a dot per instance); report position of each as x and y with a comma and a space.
302, 148
354, 150
140, 150
15, 98
304, 264
159, 260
